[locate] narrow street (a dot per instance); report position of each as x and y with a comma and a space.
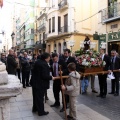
89, 106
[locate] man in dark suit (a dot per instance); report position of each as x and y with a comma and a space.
115, 65
68, 59
40, 82
25, 62
103, 78
11, 63
56, 62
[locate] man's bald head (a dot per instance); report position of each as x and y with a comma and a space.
11, 52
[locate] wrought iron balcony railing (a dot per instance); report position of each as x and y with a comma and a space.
42, 27
111, 13
64, 29
62, 4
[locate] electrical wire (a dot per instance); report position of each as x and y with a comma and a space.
88, 17
53, 8
27, 5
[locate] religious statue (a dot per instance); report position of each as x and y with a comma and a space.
86, 43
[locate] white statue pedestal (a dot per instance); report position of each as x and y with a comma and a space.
8, 88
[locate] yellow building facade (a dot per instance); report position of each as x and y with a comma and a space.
66, 22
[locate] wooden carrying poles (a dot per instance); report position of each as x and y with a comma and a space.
87, 74
64, 102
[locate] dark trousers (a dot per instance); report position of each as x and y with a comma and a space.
56, 91
25, 78
18, 73
115, 84
38, 100
103, 84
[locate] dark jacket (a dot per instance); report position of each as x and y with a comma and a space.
25, 64
11, 65
107, 61
61, 63
116, 66
41, 75
70, 59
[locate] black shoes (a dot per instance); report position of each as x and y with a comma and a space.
28, 85
55, 105
94, 91
102, 96
34, 110
111, 93
116, 94
69, 117
44, 113
99, 95
24, 86
62, 110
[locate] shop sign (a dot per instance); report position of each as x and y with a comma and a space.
114, 36
102, 40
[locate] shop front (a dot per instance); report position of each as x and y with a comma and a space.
114, 42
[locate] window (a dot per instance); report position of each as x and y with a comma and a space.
43, 36
40, 37
49, 25
114, 26
53, 3
59, 24
53, 24
66, 23
112, 8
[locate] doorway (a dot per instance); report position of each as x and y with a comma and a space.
113, 46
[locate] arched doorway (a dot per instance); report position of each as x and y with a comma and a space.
59, 48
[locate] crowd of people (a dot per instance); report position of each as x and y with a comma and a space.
38, 70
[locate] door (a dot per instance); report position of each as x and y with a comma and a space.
59, 24
66, 23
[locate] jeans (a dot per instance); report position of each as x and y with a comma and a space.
84, 84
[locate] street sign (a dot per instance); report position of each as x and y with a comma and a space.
71, 43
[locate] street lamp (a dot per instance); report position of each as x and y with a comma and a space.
2, 33
13, 36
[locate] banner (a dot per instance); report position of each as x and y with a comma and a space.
1, 3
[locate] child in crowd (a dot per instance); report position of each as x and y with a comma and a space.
72, 88
84, 84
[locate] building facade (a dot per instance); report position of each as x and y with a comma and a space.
66, 24
109, 25
40, 27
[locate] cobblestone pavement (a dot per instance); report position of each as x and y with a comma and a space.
89, 106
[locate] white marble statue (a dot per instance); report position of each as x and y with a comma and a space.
3, 74
10, 86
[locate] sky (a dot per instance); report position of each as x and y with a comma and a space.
7, 9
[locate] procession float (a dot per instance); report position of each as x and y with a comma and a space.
89, 60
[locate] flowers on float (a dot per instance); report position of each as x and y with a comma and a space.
90, 59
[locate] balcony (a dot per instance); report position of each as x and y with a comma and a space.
112, 13
64, 29
40, 45
29, 37
63, 5
42, 27
42, 14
